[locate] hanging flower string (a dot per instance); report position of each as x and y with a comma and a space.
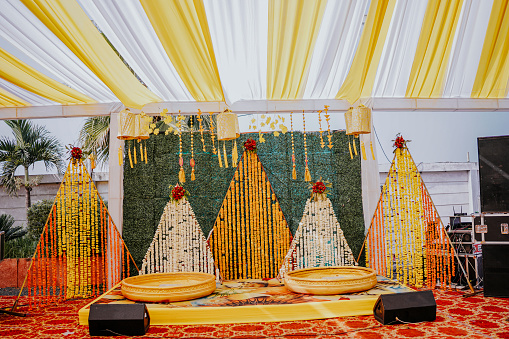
212, 137
200, 121
191, 162
327, 118
322, 143
307, 174
294, 171
182, 174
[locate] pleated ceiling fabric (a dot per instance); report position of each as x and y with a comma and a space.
127, 27
492, 76
361, 77
26, 96
239, 35
25, 76
182, 28
396, 61
433, 49
8, 99
24, 31
466, 51
293, 29
70, 24
335, 47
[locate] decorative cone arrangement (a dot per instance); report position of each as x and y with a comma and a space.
407, 240
80, 253
319, 240
179, 244
250, 235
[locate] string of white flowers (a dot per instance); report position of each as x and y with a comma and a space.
178, 244
319, 240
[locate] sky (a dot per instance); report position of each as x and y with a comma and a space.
435, 136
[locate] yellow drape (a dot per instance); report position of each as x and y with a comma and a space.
8, 99
69, 23
427, 76
14, 70
293, 29
182, 28
491, 80
361, 77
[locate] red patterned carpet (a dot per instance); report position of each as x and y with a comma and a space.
457, 317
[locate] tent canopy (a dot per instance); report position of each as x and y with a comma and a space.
93, 57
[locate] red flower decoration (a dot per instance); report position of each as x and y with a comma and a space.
319, 187
76, 153
178, 192
250, 145
399, 142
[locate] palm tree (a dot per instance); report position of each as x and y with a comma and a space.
94, 138
31, 144
11, 231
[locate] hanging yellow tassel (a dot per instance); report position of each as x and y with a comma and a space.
192, 175
130, 158
307, 174
92, 161
141, 150
235, 155
120, 155
371, 146
294, 173
363, 151
182, 175
135, 157
355, 147
145, 152
350, 148
219, 157
224, 154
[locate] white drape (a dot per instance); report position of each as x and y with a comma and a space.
128, 28
467, 48
335, 47
239, 36
398, 54
23, 30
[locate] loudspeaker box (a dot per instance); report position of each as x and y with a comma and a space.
408, 307
496, 270
118, 319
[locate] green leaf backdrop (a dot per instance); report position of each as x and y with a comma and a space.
147, 186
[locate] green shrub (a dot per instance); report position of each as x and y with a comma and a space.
23, 247
11, 231
37, 215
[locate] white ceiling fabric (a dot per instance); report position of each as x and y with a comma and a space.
399, 50
23, 30
337, 40
239, 31
467, 48
129, 30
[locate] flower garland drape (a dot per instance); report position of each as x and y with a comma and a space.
250, 236
80, 253
178, 244
319, 241
407, 240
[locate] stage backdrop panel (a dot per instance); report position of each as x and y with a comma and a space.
147, 186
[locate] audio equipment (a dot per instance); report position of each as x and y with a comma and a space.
405, 307
495, 227
118, 319
496, 270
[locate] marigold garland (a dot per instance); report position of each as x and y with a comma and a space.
294, 171
79, 246
406, 240
307, 174
250, 234
182, 174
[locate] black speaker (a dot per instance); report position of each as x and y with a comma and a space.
118, 319
496, 270
411, 307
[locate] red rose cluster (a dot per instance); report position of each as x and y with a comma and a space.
399, 142
76, 153
319, 187
178, 192
250, 145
